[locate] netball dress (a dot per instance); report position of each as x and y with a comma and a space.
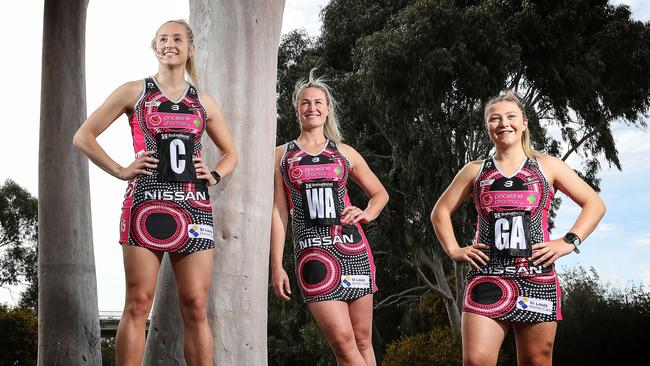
169, 210
332, 261
512, 215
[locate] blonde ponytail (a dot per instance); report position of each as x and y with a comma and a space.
190, 64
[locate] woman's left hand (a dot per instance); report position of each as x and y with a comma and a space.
202, 171
353, 214
548, 252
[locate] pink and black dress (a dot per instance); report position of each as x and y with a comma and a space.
513, 214
332, 261
169, 210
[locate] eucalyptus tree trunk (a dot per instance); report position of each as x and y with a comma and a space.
68, 323
237, 58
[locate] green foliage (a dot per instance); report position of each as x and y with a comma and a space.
108, 352
603, 325
437, 347
293, 336
18, 241
412, 76
19, 341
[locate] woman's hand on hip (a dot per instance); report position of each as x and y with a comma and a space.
353, 214
202, 171
138, 166
471, 254
547, 253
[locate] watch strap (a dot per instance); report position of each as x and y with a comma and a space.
216, 176
573, 239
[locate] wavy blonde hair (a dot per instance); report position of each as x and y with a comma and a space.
331, 128
510, 96
190, 64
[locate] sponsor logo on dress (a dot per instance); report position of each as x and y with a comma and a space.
535, 305
173, 120
198, 231
486, 182
523, 270
325, 240
151, 103
510, 198
175, 107
175, 196
154, 120
324, 171
355, 281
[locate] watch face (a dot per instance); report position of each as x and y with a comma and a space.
572, 238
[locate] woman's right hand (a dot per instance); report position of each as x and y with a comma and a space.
137, 167
471, 254
280, 284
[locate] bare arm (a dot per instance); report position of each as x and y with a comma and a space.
279, 219
593, 209
368, 181
85, 139
218, 131
454, 195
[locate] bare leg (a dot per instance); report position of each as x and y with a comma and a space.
535, 343
482, 339
333, 318
141, 272
361, 317
193, 272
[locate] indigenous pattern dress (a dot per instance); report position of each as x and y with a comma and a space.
512, 215
169, 210
332, 261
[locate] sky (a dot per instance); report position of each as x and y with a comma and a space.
117, 50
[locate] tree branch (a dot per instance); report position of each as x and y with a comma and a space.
435, 266
582, 140
396, 297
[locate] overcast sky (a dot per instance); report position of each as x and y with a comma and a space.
117, 50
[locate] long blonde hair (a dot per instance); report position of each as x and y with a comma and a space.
510, 96
190, 64
331, 128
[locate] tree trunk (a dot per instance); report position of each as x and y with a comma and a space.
453, 313
68, 323
237, 58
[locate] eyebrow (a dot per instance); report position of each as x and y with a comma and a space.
506, 113
175, 34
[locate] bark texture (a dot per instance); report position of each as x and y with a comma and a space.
237, 59
68, 322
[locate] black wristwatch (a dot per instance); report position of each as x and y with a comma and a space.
216, 176
574, 239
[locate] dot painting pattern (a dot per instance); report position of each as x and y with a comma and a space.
334, 261
169, 216
511, 288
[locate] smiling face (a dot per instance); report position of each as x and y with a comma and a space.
505, 123
172, 45
312, 108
